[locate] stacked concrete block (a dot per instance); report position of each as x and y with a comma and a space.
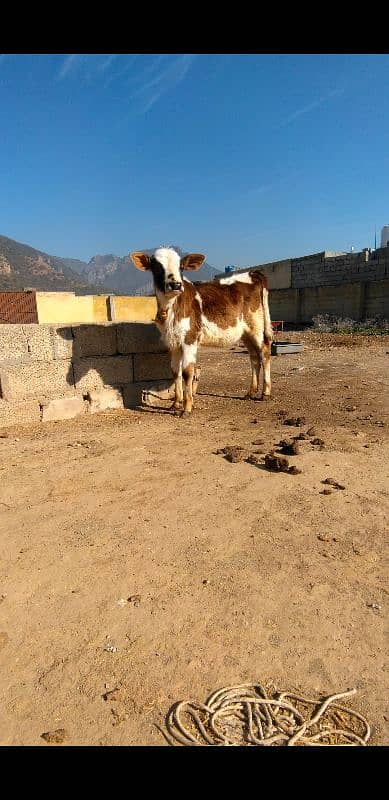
139, 337
38, 379
62, 408
13, 344
94, 340
51, 372
96, 372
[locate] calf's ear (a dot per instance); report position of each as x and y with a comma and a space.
141, 261
192, 261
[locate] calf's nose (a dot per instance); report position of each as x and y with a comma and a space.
175, 286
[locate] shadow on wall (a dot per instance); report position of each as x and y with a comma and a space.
127, 358
95, 362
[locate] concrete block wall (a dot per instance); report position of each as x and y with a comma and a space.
377, 299
284, 304
58, 372
322, 269
358, 300
341, 301
354, 285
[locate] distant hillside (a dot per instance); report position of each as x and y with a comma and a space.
23, 267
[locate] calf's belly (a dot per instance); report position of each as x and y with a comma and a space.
214, 336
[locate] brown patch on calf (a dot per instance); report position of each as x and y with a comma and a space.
188, 372
224, 304
188, 306
259, 278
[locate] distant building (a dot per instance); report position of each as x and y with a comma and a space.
385, 236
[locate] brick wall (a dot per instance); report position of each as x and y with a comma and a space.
55, 371
18, 307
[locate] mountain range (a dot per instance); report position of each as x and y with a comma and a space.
24, 267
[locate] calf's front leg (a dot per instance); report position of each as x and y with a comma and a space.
176, 367
189, 356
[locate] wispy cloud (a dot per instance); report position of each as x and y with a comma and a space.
311, 106
126, 62
70, 63
148, 67
263, 188
164, 81
152, 78
91, 65
107, 62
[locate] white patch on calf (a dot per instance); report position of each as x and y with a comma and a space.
244, 277
170, 261
211, 334
189, 355
174, 332
199, 300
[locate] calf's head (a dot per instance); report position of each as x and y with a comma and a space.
167, 267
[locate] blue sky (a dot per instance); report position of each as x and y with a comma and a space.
247, 158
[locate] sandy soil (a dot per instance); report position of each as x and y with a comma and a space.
139, 568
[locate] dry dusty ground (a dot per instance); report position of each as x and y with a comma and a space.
242, 574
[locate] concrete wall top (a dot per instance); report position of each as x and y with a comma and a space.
29, 343
69, 308
278, 273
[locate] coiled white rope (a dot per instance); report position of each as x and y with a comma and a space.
246, 715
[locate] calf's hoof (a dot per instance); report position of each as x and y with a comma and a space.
185, 414
176, 406
249, 396
266, 397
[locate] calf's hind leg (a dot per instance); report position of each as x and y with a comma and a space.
255, 360
260, 353
266, 361
196, 379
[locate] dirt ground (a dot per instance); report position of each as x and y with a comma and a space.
139, 567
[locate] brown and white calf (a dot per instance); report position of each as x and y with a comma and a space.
223, 313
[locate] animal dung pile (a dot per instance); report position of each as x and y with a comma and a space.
276, 463
294, 470
233, 454
58, 736
271, 461
246, 715
275, 460
296, 422
334, 483
289, 447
